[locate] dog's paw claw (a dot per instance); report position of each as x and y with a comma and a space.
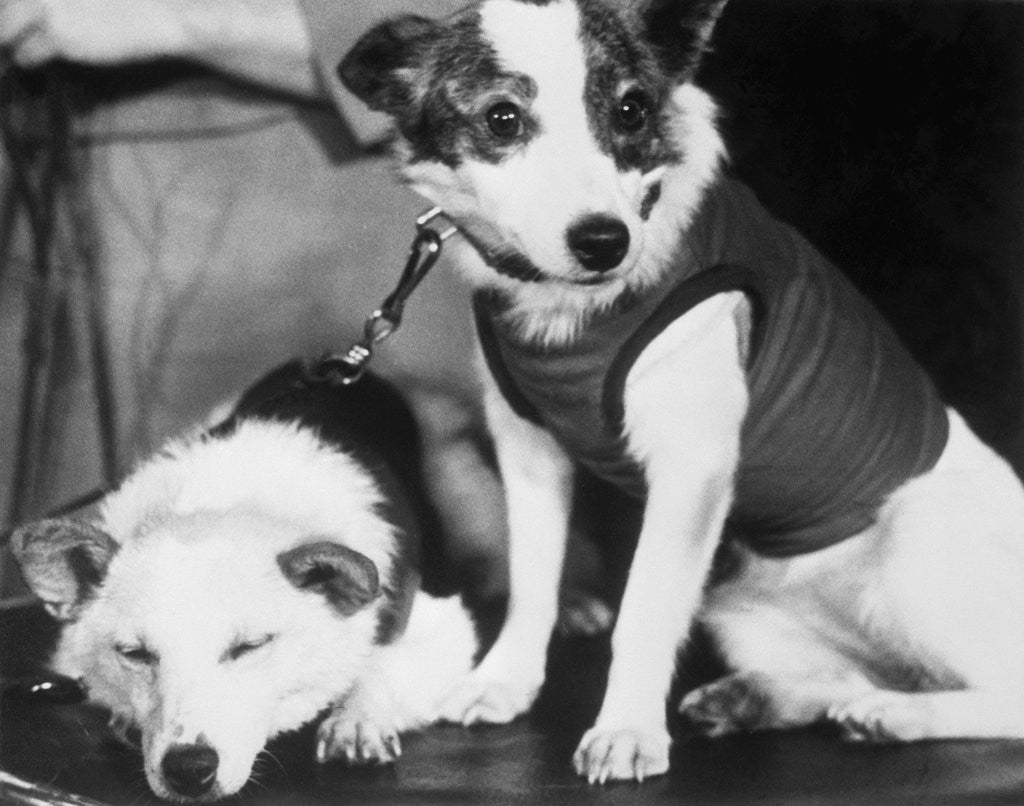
622, 754
878, 718
729, 705
477, 700
357, 742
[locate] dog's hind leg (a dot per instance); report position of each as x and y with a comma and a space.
751, 701
924, 607
787, 664
896, 716
743, 702
950, 600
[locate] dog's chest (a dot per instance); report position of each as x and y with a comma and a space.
574, 390
840, 415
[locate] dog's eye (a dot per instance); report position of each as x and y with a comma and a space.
505, 120
631, 113
136, 654
240, 649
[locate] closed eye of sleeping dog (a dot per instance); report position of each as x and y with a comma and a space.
640, 313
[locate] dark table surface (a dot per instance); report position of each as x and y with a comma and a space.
526, 762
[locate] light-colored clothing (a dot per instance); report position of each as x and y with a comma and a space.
235, 229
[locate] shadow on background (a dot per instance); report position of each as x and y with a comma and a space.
892, 135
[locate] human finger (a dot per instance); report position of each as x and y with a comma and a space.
33, 50
18, 20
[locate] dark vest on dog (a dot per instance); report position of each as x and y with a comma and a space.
840, 414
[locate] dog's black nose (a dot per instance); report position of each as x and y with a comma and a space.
190, 769
599, 242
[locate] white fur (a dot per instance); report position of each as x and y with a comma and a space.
908, 631
200, 527
281, 470
501, 200
538, 477
686, 435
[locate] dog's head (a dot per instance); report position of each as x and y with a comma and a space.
202, 637
564, 137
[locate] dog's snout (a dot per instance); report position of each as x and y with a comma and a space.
190, 769
599, 242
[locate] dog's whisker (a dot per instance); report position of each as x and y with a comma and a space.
266, 755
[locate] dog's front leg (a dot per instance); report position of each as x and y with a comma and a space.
537, 478
363, 729
685, 401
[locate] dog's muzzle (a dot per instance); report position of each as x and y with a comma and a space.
190, 770
598, 242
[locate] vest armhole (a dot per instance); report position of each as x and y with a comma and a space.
496, 365
687, 295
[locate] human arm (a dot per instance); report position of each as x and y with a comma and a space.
266, 42
291, 46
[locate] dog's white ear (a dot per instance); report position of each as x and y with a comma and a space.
63, 561
381, 68
679, 31
348, 579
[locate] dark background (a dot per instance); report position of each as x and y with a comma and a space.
892, 135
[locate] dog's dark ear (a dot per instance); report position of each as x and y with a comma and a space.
348, 579
381, 68
679, 31
63, 561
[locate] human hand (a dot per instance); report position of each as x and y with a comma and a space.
264, 42
98, 32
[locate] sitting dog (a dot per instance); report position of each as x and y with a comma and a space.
643, 315
244, 581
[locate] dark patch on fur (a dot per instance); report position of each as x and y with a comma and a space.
515, 265
372, 422
346, 578
508, 262
86, 570
650, 51
650, 199
438, 80
679, 32
63, 561
372, 69
618, 62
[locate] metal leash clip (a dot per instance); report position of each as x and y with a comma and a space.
348, 367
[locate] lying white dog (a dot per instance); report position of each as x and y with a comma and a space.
241, 583
643, 315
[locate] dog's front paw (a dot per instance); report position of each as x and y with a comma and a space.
357, 740
482, 698
880, 717
729, 705
622, 754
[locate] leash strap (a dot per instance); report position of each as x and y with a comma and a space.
348, 367
343, 368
